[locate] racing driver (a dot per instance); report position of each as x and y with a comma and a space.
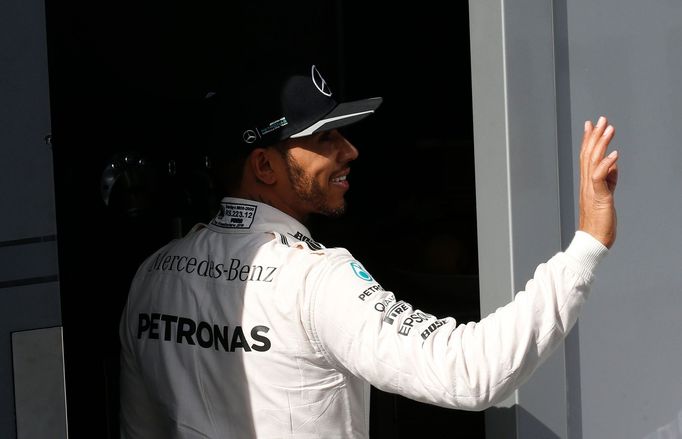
247, 327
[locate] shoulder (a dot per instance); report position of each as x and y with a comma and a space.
316, 262
335, 271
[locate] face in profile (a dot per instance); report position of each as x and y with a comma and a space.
317, 167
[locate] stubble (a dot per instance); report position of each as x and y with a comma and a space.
309, 190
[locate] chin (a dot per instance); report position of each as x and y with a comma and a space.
334, 210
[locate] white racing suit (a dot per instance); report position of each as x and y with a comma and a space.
248, 328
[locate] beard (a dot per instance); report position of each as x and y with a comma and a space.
310, 191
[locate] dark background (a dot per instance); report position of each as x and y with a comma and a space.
127, 86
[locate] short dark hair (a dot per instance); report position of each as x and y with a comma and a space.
227, 158
227, 167
227, 173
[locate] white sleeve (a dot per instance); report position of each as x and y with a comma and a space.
370, 333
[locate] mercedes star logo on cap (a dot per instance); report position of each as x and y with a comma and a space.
249, 136
319, 82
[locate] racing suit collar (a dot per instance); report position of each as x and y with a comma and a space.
238, 215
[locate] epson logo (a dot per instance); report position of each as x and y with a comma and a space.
413, 319
209, 336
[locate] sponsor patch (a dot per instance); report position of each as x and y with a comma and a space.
279, 123
432, 327
369, 291
383, 303
314, 246
235, 216
184, 330
414, 319
360, 271
395, 310
236, 270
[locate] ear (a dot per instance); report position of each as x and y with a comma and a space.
261, 163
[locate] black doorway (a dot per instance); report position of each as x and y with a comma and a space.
127, 84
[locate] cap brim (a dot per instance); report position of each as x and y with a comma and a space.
345, 113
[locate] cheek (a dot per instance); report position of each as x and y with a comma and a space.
314, 166
319, 171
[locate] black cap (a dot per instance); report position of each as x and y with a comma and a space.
261, 112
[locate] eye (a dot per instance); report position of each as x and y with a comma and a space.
326, 136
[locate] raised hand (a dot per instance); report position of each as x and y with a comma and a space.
598, 178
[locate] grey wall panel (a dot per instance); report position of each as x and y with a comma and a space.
490, 141
625, 61
622, 59
26, 183
29, 295
24, 308
39, 393
568, 177
517, 184
28, 261
533, 171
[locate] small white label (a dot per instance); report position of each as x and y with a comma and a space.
235, 216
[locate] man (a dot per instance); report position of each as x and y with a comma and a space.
247, 327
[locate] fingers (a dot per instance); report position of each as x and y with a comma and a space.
584, 149
595, 142
605, 175
591, 135
612, 178
602, 142
586, 136
598, 178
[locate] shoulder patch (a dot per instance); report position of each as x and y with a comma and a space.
360, 271
312, 245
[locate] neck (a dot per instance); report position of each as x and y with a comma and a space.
272, 200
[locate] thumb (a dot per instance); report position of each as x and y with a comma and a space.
601, 172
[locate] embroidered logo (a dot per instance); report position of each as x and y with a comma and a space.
319, 82
360, 271
314, 246
249, 136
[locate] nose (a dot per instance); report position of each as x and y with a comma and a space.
347, 152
